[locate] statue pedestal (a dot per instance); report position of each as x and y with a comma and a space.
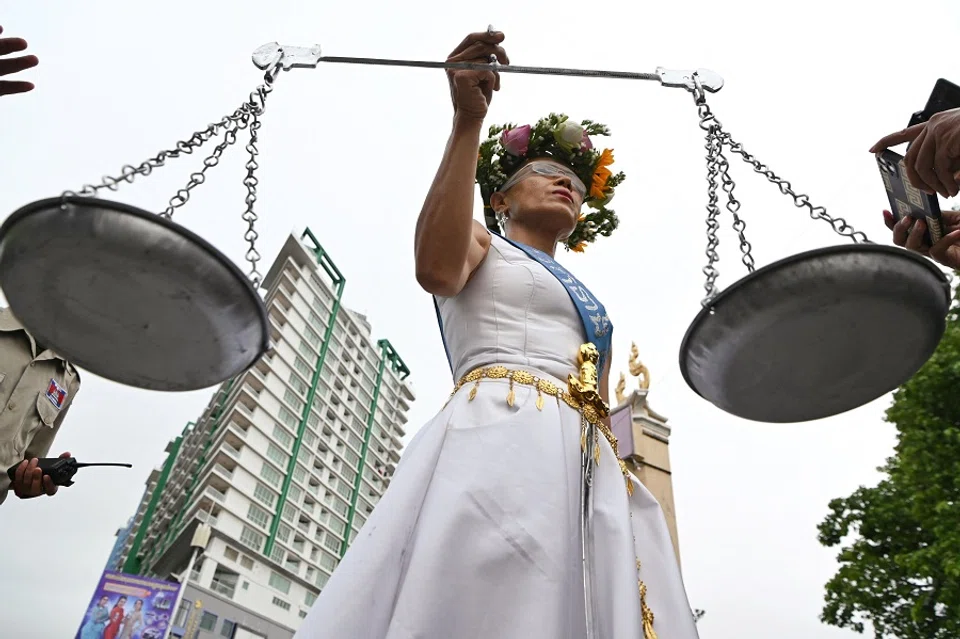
643, 438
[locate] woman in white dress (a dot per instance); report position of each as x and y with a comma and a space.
486, 530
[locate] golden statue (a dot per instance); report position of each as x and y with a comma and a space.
637, 369
621, 387
586, 387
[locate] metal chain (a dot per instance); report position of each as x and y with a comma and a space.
712, 145
733, 205
183, 195
246, 115
249, 215
839, 225
717, 165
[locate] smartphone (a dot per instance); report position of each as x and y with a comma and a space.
906, 200
945, 96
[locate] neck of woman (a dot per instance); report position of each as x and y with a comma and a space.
537, 238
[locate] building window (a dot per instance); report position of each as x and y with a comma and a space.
265, 495
251, 538
228, 628
298, 384
280, 603
271, 474
283, 533
230, 554
305, 350
303, 368
299, 473
303, 614
289, 511
282, 436
291, 398
295, 494
280, 583
183, 612
312, 336
247, 563
309, 439
332, 543
328, 561
258, 516
321, 580
310, 598
289, 418
277, 455
208, 620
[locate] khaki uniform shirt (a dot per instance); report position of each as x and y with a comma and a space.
37, 386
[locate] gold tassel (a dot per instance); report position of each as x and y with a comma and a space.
596, 450
511, 396
645, 613
539, 400
629, 486
473, 391
583, 435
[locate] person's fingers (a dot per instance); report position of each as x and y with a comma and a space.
65, 455
923, 164
12, 45
900, 231
19, 475
49, 487
910, 162
16, 65
10, 88
889, 220
939, 250
915, 237
906, 135
489, 38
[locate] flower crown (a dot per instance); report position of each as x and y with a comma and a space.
556, 137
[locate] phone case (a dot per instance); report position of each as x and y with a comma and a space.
906, 200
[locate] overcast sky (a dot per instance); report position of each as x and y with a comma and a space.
350, 151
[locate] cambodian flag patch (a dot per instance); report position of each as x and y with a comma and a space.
56, 394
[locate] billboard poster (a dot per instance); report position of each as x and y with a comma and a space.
129, 606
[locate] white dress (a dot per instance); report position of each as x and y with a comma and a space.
478, 535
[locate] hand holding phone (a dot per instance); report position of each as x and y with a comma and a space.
908, 201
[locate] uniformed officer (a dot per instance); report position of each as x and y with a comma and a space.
37, 387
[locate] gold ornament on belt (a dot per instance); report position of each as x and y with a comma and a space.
586, 387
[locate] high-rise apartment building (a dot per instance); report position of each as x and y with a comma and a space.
285, 464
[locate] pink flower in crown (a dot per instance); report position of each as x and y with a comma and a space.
586, 143
516, 141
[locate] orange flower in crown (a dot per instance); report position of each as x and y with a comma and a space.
556, 136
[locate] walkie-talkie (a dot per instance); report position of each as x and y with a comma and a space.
60, 469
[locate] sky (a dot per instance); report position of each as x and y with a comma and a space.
350, 152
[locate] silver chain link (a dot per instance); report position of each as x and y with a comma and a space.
717, 165
245, 116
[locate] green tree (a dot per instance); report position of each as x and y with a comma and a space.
900, 540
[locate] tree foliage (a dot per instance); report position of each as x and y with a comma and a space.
899, 560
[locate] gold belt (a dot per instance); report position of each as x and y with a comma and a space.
589, 412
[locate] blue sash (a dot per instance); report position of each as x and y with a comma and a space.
593, 315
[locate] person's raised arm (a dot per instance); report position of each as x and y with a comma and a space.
449, 244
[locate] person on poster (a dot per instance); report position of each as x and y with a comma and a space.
116, 619
93, 628
480, 533
133, 621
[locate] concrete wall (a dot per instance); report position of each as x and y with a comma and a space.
199, 600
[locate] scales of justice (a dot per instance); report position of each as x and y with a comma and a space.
134, 297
